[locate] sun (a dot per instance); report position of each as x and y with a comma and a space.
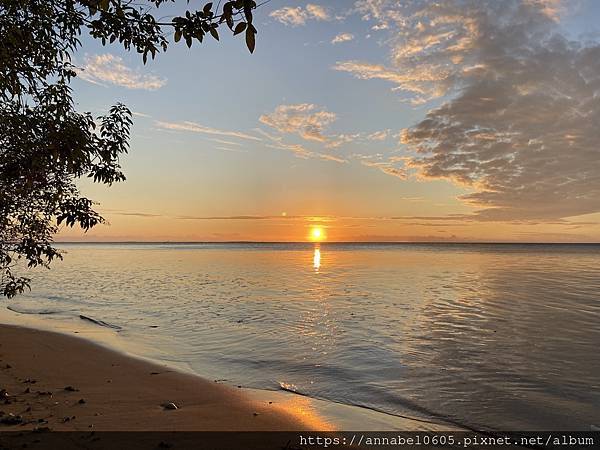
317, 234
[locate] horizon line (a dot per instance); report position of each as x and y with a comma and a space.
332, 242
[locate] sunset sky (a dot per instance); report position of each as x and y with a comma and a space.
376, 120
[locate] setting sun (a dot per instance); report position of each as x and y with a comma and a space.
317, 234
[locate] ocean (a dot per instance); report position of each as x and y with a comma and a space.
483, 336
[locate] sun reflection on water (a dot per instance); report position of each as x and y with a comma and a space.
317, 258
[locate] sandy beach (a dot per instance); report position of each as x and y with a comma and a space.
51, 380
123, 390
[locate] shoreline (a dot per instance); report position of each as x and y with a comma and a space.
128, 389
51, 380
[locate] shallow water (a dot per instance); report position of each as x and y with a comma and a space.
500, 337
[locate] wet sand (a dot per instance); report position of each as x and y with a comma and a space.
63, 383
73, 385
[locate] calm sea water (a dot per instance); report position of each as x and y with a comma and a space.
503, 337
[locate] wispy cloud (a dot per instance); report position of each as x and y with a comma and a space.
379, 135
230, 149
224, 142
426, 81
298, 150
306, 120
118, 212
342, 37
387, 168
296, 16
109, 69
142, 115
197, 128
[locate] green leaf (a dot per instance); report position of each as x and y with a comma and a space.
240, 27
177, 35
213, 33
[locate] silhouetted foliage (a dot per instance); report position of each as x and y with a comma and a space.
45, 144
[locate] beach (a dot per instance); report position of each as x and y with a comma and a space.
76, 377
70, 384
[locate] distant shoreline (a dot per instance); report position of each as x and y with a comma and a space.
326, 243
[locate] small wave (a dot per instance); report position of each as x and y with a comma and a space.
430, 417
291, 388
99, 322
32, 311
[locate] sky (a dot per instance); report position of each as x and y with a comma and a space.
371, 120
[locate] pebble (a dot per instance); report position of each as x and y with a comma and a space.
11, 419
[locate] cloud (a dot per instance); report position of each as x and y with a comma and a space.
141, 114
297, 149
386, 168
110, 69
134, 214
197, 128
222, 141
551, 8
427, 81
306, 120
229, 149
521, 103
379, 135
318, 12
342, 37
296, 16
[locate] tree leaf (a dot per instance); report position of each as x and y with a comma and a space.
213, 33
177, 35
250, 39
239, 28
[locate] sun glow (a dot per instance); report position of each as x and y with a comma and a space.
317, 234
